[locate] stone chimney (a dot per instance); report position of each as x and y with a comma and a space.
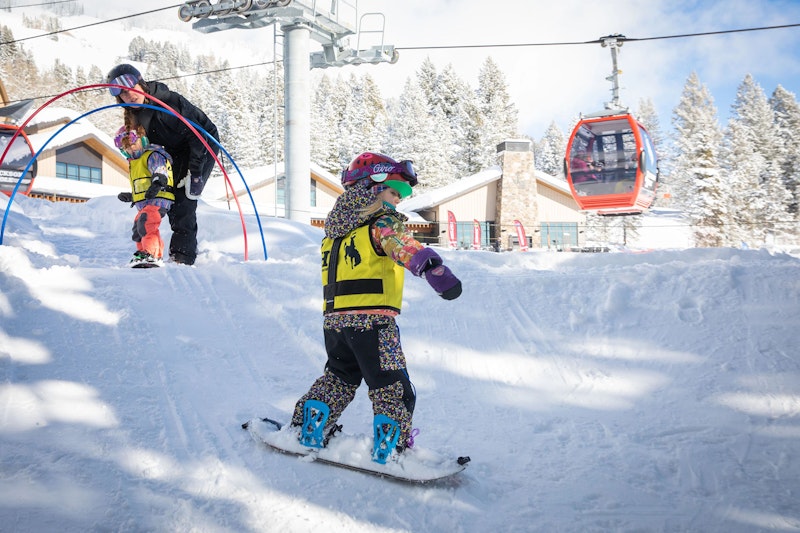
516, 191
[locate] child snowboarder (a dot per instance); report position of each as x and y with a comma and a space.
365, 249
151, 192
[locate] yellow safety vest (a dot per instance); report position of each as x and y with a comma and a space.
141, 178
355, 276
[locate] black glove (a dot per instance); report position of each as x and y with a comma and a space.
125, 197
155, 187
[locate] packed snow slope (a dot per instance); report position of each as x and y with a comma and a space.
594, 392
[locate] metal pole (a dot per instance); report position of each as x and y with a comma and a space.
614, 42
275, 137
297, 130
614, 76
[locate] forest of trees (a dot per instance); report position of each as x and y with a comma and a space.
737, 184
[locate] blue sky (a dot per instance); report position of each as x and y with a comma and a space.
558, 82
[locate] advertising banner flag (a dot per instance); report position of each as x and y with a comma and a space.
452, 230
523, 240
476, 235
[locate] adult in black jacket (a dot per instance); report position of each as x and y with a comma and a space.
192, 163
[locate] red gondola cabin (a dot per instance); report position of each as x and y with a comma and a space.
611, 165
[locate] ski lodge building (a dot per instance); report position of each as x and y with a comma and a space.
495, 199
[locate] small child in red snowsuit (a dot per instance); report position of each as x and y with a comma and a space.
151, 192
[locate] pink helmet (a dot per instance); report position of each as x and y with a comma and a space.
379, 168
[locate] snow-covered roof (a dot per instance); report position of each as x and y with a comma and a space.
458, 188
73, 189
463, 186
556, 183
76, 132
262, 175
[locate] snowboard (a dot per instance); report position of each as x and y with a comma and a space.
354, 452
145, 265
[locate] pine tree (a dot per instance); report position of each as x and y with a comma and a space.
428, 80
324, 149
499, 114
58, 78
757, 194
210, 93
550, 151
787, 130
647, 115
363, 121
697, 180
267, 106
457, 103
17, 67
239, 140
414, 133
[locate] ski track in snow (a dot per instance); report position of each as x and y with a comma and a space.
594, 392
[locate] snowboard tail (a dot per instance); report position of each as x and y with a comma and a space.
355, 452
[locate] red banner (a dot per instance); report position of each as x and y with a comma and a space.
452, 230
476, 235
523, 240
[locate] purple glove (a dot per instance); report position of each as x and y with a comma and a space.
423, 260
443, 282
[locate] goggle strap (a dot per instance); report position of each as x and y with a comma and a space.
404, 168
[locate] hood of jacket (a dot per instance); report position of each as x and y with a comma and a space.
348, 211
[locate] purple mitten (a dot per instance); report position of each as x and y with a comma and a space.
423, 260
443, 282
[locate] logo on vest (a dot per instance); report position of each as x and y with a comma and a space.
351, 255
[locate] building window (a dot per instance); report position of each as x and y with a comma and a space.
280, 191
466, 233
559, 235
280, 197
74, 172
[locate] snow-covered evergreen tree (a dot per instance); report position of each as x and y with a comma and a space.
550, 151
267, 106
697, 181
240, 142
362, 126
787, 130
498, 112
456, 101
324, 124
55, 80
647, 116
428, 80
414, 133
756, 192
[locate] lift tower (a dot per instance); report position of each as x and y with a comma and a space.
330, 23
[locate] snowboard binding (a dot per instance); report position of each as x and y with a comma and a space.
387, 433
315, 415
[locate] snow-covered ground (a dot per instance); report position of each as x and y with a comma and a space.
594, 392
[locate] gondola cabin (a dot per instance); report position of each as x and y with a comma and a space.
17, 158
611, 165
